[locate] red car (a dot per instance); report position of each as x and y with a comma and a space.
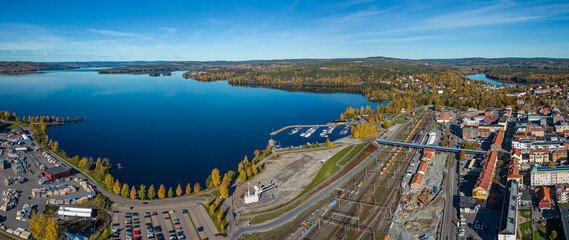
177, 223
137, 232
166, 218
154, 214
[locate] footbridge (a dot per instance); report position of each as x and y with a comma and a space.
438, 148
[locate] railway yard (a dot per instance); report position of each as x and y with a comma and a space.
363, 207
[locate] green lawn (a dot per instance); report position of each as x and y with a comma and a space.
353, 153
525, 214
12, 125
523, 227
541, 234
398, 121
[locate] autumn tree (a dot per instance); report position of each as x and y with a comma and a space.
109, 180
142, 192
197, 187
161, 192
117, 187
133, 192
215, 178
151, 192
124, 190
52, 230
188, 189
170, 193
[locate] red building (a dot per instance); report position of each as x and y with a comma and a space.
544, 197
56, 173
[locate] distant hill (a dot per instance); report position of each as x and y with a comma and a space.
24, 67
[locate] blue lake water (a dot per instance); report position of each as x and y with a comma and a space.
167, 130
483, 77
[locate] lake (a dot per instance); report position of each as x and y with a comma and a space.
483, 77
167, 130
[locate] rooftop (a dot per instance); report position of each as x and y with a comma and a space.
549, 169
56, 170
510, 210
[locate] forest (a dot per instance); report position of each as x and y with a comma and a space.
528, 75
25, 67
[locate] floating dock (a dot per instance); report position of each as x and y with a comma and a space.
295, 126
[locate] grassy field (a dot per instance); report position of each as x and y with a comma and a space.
213, 217
353, 153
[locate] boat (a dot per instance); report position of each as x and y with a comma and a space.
294, 131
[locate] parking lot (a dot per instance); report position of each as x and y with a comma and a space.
183, 221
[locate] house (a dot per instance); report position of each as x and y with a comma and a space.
559, 156
514, 171
543, 197
537, 131
538, 156
444, 117
484, 182
497, 143
56, 173
417, 181
428, 154
526, 197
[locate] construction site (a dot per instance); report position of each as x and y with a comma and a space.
364, 207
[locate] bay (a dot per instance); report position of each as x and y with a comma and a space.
167, 130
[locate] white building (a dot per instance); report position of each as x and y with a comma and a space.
75, 212
549, 175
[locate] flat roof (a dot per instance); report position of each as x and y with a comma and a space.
549, 169
565, 219
510, 210
56, 170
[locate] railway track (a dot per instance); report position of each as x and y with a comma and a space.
368, 213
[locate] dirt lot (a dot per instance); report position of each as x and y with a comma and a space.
291, 172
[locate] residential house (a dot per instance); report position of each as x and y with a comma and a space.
544, 197
538, 156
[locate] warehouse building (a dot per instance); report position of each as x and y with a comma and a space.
56, 173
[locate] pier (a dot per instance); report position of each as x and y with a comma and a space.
295, 126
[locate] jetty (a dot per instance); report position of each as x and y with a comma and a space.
295, 126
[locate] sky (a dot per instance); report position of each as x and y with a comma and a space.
185, 30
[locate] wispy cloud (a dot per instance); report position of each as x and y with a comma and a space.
402, 39
112, 33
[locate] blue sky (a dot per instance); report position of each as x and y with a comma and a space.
270, 29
